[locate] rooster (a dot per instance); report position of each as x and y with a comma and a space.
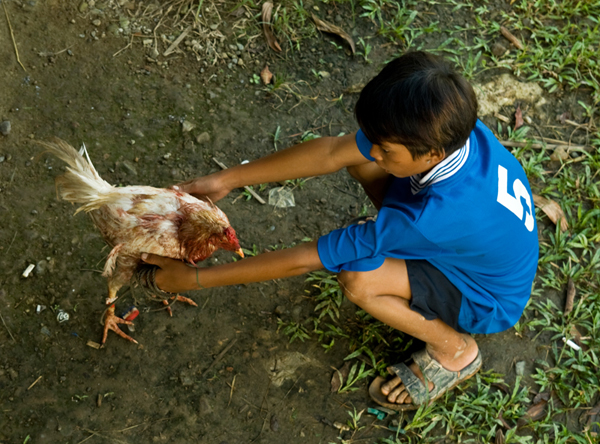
137, 219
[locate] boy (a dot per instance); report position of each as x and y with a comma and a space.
454, 247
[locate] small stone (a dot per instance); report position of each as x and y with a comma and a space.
96, 22
129, 166
204, 407
113, 29
203, 138
83, 7
187, 126
279, 310
5, 128
2, 158
498, 49
41, 267
274, 424
13, 374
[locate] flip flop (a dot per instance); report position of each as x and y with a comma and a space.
443, 381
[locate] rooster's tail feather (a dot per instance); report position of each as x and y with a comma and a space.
81, 183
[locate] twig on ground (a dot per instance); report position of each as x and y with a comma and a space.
539, 145
219, 357
250, 190
123, 49
510, 37
7, 329
571, 291
344, 191
266, 415
231, 391
177, 41
11, 243
12, 36
34, 382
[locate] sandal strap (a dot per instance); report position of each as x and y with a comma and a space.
433, 371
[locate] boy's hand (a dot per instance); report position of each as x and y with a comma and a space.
204, 187
173, 276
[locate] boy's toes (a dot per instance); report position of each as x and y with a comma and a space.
390, 385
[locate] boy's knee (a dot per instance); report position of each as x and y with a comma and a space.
354, 287
354, 171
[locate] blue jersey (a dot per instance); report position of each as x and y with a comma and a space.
471, 216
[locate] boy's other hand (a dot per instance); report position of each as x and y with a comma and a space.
172, 276
204, 187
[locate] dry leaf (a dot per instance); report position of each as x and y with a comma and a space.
570, 297
339, 376
266, 75
552, 210
593, 420
518, 118
499, 437
328, 27
267, 9
541, 397
559, 153
534, 413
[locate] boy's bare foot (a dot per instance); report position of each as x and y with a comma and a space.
396, 392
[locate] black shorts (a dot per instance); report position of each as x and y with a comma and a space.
433, 295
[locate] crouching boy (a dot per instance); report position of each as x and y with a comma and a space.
454, 247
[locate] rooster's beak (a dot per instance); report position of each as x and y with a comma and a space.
240, 252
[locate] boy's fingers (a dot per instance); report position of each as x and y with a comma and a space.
153, 259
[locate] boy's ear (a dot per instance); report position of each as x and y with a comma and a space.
437, 156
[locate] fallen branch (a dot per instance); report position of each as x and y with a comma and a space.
177, 41
219, 357
12, 36
34, 382
510, 37
250, 190
6, 326
536, 144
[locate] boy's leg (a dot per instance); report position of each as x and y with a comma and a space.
374, 180
385, 294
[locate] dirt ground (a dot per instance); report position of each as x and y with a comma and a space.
82, 83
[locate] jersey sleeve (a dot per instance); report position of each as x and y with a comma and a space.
365, 247
364, 145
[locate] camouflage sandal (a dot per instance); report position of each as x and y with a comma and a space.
443, 381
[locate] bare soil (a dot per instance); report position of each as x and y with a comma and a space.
129, 110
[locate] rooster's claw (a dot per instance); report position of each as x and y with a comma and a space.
112, 321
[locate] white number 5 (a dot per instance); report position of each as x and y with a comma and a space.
514, 203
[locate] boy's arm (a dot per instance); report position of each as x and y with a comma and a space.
175, 276
313, 158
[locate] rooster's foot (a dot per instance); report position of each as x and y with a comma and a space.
179, 298
112, 321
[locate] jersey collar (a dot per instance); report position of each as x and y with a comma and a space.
442, 171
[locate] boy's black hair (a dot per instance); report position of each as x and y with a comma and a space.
419, 101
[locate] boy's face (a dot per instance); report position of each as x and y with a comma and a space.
395, 159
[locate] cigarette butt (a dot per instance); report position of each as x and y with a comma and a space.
93, 344
571, 344
28, 270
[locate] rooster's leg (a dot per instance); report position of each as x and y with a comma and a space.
179, 298
112, 321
